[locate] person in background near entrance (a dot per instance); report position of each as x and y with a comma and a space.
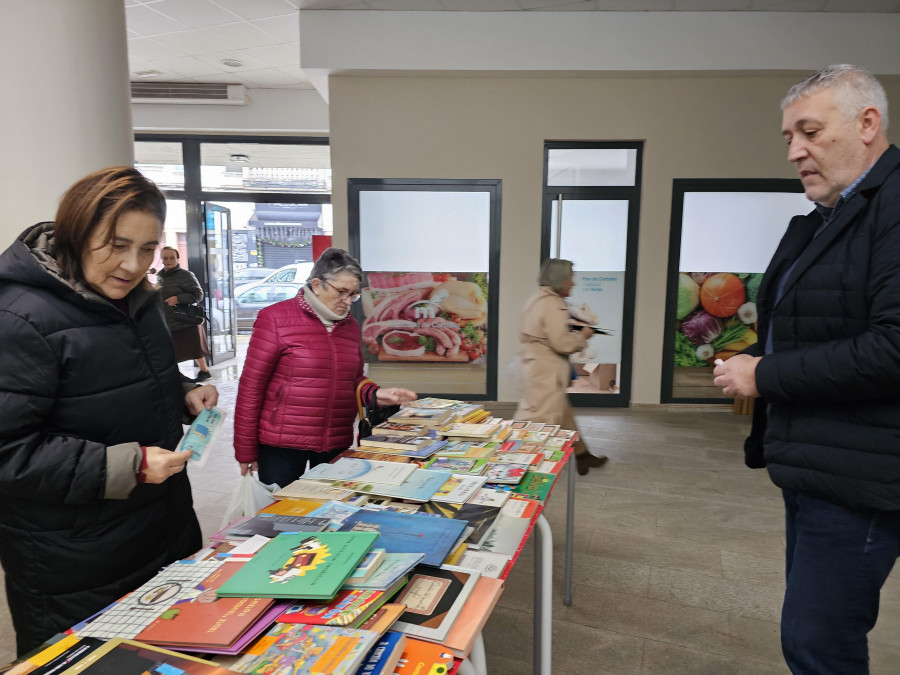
296, 398
547, 338
827, 369
93, 500
178, 286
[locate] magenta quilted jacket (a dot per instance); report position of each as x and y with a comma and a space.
298, 386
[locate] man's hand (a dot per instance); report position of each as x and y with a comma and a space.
201, 397
737, 376
394, 396
162, 463
172, 300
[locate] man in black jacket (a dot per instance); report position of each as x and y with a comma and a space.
827, 369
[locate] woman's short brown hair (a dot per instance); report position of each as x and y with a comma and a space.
107, 193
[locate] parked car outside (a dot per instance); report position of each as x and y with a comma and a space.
251, 298
249, 274
295, 273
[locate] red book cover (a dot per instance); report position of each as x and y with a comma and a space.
348, 606
207, 621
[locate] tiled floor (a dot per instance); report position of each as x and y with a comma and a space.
678, 554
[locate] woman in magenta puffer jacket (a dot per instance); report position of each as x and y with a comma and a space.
297, 394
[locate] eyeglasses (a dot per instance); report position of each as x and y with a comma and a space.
343, 294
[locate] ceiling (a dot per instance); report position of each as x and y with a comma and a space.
188, 40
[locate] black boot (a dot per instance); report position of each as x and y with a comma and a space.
588, 461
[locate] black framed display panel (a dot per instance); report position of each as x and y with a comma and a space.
681, 187
492, 187
631, 195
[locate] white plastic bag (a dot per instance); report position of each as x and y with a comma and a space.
250, 496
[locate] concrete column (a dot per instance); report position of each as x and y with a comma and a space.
66, 102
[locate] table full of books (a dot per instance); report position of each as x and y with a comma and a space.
388, 560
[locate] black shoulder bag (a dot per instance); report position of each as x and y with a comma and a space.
190, 313
370, 415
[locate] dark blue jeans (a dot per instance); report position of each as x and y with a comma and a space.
285, 465
837, 561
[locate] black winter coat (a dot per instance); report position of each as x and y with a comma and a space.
183, 284
82, 387
829, 420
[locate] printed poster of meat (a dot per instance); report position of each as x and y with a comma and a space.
438, 317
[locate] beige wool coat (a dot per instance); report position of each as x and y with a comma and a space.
546, 372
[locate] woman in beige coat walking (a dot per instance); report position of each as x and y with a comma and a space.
547, 340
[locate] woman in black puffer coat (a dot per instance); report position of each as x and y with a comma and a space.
93, 500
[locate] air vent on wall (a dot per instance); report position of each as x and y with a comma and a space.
188, 92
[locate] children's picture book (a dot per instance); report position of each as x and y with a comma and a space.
312, 489
179, 582
458, 489
384, 617
206, 620
350, 607
308, 565
400, 428
408, 532
434, 598
506, 535
419, 487
420, 658
201, 433
393, 567
334, 513
432, 402
509, 446
410, 452
501, 472
292, 507
535, 485
519, 506
451, 464
488, 496
384, 655
473, 616
397, 441
362, 470
463, 430
269, 525
429, 417
54, 655
306, 649
376, 454
127, 657
367, 566
489, 563
528, 458
479, 517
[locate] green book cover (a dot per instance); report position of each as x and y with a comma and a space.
535, 485
300, 565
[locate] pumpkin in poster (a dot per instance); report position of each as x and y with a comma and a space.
716, 315
425, 316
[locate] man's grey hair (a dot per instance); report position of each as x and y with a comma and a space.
854, 88
555, 272
332, 262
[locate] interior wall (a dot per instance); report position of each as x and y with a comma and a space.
495, 127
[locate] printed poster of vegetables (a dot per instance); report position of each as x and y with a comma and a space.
716, 316
437, 317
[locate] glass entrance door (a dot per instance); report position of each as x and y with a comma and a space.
220, 301
593, 234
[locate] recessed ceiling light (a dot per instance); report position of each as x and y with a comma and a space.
147, 73
239, 159
231, 63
